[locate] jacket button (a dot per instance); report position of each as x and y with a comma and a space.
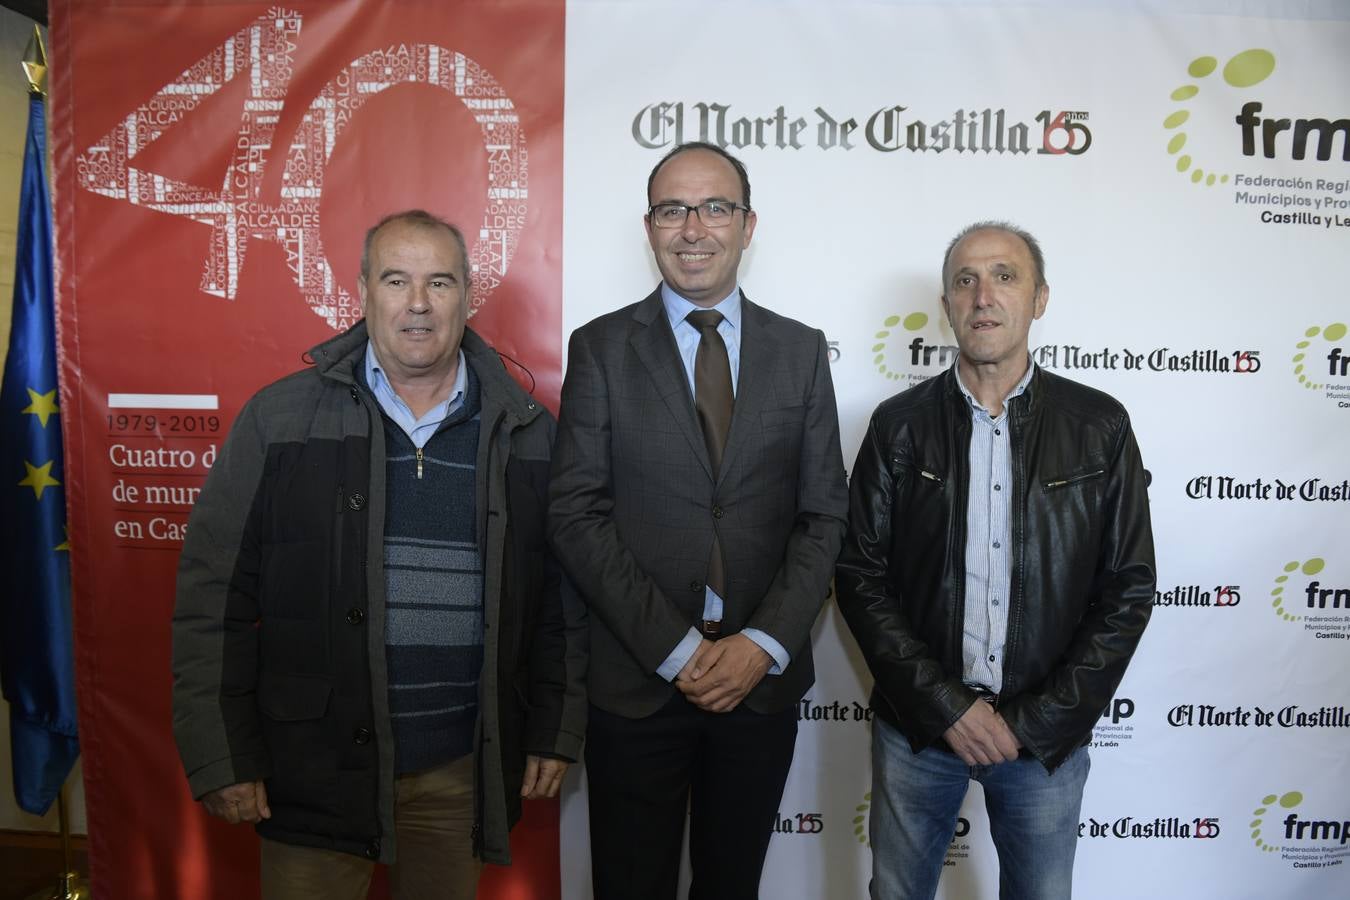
362, 736
718, 512
696, 586
356, 500
373, 849
355, 616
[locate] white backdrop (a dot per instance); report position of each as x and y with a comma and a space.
1140, 258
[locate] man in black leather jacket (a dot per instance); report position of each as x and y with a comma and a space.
998, 573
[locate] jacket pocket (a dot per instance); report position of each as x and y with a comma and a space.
904, 467
293, 698
303, 789
1092, 473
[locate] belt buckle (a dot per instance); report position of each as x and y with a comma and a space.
710, 628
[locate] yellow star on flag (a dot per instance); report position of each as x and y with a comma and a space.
64, 545
39, 478
43, 405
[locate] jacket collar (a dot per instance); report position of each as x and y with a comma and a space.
1021, 406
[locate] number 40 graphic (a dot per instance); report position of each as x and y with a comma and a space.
263, 53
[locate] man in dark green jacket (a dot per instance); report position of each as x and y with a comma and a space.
373, 657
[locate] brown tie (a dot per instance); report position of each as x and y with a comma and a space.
713, 398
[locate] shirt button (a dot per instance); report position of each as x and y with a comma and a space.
996, 601
998, 431
355, 616
998, 487
997, 545
991, 657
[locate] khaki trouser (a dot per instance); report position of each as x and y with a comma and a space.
433, 818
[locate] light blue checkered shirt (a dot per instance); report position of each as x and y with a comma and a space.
988, 540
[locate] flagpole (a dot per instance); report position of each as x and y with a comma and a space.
69, 886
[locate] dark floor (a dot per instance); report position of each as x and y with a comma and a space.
32, 862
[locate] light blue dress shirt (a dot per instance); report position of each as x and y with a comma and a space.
686, 340
419, 431
988, 540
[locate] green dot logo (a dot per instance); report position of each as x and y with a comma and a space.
1248, 68
912, 322
1311, 567
1286, 800
1331, 334
860, 820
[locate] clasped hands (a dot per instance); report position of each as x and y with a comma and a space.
719, 674
981, 737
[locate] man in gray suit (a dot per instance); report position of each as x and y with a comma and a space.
698, 501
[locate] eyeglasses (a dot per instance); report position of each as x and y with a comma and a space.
713, 213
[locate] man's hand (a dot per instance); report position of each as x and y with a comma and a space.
981, 737
718, 678
692, 666
244, 802
543, 777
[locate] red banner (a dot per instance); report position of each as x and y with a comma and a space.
216, 166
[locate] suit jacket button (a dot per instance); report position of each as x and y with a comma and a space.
361, 736
357, 500
718, 512
355, 616
373, 849
696, 586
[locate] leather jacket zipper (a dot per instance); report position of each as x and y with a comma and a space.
1051, 485
930, 476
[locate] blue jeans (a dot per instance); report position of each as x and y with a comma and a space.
1033, 818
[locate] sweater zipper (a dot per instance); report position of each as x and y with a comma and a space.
419, 463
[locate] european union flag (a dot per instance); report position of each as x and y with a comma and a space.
37, 664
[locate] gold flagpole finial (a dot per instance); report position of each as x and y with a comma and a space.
35, 63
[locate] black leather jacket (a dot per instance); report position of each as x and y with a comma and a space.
1082, 560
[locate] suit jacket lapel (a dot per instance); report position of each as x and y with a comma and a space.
654, 344
752, 382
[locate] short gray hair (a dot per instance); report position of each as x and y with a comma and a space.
418, 218
1033, 246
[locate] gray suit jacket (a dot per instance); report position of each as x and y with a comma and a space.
633, 503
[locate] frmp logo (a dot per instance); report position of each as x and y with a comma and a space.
1310, 567
1242, 131
919, 358
860, 820
1112, 730
1330, 362
958, 849
1304, 841
1287, 800
1323, 604
1244, 70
